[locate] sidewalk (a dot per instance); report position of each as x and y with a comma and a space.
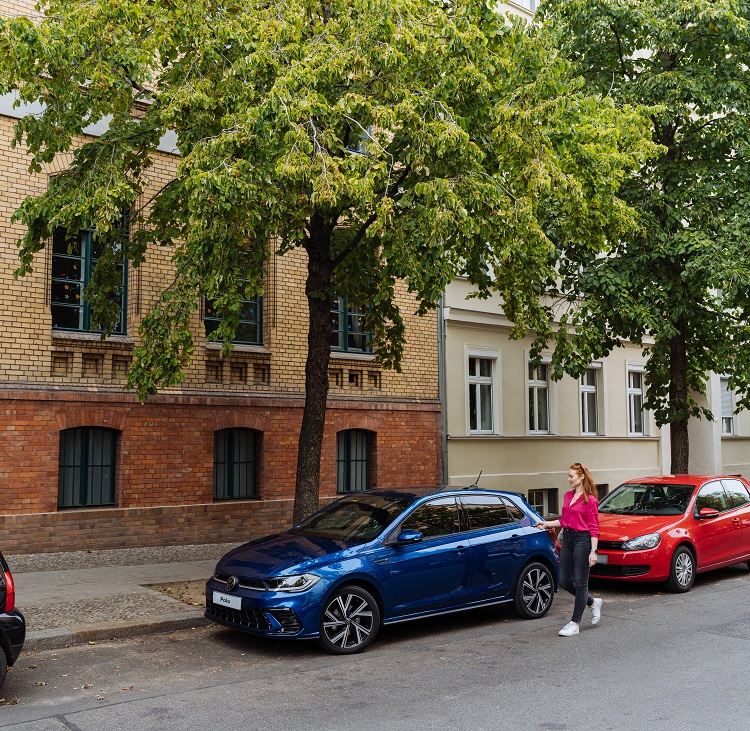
84, 596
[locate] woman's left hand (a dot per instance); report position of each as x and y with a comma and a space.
592, 558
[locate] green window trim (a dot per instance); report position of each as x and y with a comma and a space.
348, 334
72, 267
235, 464
86, 468
250, 327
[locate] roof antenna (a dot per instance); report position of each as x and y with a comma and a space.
476, 485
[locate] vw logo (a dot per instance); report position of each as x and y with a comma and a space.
232, 583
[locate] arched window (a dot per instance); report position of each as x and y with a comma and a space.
352, 460
235, 464
86, 476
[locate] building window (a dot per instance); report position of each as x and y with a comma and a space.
590, 401
250, 327
352, 463
539, 398
529, 5
348, 332
727, 408
73, 262
636, 397
235, 459
86, 475
480, 395
543, 501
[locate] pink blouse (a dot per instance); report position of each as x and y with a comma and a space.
582, 516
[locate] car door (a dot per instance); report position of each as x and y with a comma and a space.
739, 499
432, 574
717, 539
496, 544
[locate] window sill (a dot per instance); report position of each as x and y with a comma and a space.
91, 337
240, 348
343, 355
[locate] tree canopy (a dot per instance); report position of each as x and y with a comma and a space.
681, 280
392, 140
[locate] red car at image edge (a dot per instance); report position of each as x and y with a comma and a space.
672, 527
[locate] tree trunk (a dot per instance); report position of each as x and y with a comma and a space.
310, 444
678, 397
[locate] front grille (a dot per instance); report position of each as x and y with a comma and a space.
242, 583
288, 620
610, 545
250, 618
600, 569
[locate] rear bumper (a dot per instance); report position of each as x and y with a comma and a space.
13, 630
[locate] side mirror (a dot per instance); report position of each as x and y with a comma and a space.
406, 537
704, 513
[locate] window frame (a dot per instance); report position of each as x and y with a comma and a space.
588, 393
633, 392
230, 463
475, 383
208, 318
549, 506
345, 464
344, 312
537, 385
727, 420
82, 463
87, 264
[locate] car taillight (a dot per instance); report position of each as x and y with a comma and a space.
552, 534
10, 592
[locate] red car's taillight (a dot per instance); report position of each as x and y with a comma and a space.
10, 592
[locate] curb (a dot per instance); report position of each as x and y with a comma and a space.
60, 637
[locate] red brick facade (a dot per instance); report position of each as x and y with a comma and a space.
164, 465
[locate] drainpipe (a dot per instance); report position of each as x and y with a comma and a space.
442, 386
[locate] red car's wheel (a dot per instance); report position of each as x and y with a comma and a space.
681, 571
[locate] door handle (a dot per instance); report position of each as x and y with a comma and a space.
735, 520
459, 549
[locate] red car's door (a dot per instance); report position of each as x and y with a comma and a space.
717, 540
739, 499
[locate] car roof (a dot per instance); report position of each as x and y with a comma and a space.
420, 492
680, 479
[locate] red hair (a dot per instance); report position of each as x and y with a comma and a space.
589, 488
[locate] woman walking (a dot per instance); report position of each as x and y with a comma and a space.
578, 552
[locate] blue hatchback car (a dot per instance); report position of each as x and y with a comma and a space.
384, 556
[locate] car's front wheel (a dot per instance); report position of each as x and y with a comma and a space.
681, 571
535, 589
350, 621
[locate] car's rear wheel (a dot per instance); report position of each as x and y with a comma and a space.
3, 667
535, 589
350, 621
681, 571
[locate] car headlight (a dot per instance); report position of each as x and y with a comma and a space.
651, 540
292, 584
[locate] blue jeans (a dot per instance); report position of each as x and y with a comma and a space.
574, 569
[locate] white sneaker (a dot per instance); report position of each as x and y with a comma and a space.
570, 629
596, 611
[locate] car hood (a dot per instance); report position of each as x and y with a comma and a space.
625, 527
276, 554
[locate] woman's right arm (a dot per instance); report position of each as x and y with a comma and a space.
548, 524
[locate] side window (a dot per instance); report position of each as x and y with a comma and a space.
737, 492
485, 511
437, 518
713, 496
516, 513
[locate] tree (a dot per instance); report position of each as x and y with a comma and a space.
680, 282
390, 139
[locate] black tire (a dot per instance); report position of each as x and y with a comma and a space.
3, 667
682, 571
534, 592
349, 622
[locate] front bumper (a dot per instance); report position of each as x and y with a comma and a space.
271, 614
647, 565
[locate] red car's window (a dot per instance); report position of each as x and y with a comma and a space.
737, 492
713, 496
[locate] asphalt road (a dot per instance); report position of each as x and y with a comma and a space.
656, 661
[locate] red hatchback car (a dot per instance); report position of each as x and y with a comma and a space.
672, 527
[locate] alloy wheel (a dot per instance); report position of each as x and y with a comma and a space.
350, 621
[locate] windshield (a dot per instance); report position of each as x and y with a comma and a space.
356, 519
646, 498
